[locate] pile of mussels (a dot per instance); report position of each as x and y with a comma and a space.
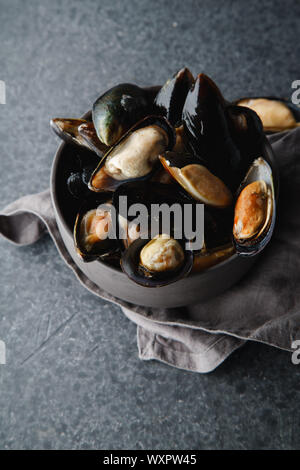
182, 142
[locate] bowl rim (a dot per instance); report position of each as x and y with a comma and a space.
113, 269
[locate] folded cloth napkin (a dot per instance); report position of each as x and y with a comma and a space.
264, 306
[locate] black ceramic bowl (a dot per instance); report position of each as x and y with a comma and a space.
190, 290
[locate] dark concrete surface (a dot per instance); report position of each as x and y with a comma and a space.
73, 378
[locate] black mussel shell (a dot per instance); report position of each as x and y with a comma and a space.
130, 264
108, 183
83, 166
295, 110
86, 173
260, 170
119, 108
147, 193
217, 227
76, 186
102, 249
206, 126
67, 129
88, 133
247, 132
170, 99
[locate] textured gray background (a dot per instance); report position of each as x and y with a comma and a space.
73, 379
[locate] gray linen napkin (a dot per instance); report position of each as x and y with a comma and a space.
264, 306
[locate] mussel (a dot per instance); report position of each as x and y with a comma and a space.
94, 229
135, 155
149, 194
247, 132
88, 134
276, 114
196, 179
158, 261
119, 108
155, 251
80, 132
171, 97
255, 209
181, 140
76, 185
67, 129
207, 128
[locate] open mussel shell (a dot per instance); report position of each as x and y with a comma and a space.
171, 97
157, 256
147, 193
276, 114
255, 209
197, 180
207, 129
93, 229
135, 155
88, 134
67, 129
119, 108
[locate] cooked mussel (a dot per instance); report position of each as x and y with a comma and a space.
196, 179
171, 97
207, 128
135, 155
276, 114
80, 132
88, 134
157, 262
83, 165
119, 108
255, 210
94, 229
67, 129
149, 194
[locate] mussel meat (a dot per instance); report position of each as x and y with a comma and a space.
135, 155
276, 114
197, 180
119, 108
255, 210
93, 230
157, 262
171, 97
